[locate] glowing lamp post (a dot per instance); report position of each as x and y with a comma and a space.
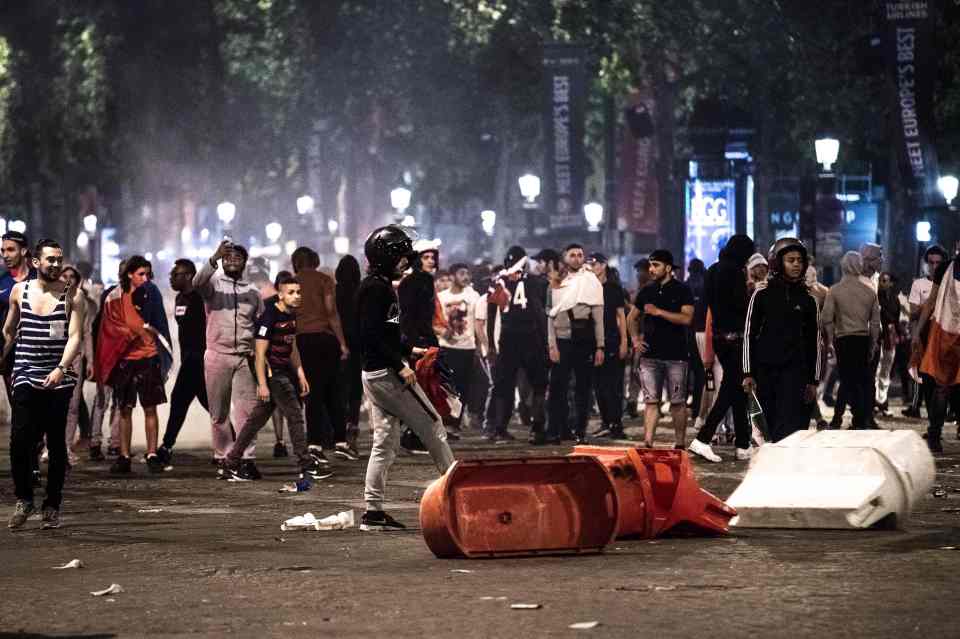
273, 230
226, 211
948, 186
305, 204
593, 213
827, 150
529, 188
400, 198
488, 220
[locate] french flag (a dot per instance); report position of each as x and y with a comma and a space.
941, 358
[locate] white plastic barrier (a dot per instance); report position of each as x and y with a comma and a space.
834, 479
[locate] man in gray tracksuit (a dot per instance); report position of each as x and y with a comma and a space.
233, 306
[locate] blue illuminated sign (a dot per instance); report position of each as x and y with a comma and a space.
711, 218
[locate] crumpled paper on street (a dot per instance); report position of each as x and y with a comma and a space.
112, 590
308, 521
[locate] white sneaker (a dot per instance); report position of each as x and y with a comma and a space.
697, 447
744, 454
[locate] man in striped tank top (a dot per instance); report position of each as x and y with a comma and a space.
44, 321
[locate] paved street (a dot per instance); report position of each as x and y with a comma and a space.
203, 557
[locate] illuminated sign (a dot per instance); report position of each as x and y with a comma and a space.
711, 218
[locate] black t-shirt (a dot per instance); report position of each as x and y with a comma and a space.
191, 319
665, 340
612, 300
280, 329
527, 308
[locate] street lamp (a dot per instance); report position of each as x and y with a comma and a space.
593, 212
529, 187
922, 231
226, 211
83, 240
341, 245
273, 230
948, 186
408, 220
19, 226
488, 219
332, 226
827, 150
90, 223
304, 204
400, 198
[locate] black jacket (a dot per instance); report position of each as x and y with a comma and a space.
378, 313
417, 306
782, 329
725, 286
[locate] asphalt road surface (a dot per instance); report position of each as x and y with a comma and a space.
197, 556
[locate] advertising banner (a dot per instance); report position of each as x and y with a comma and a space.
638, 195
565, 92
908, 45
711, 218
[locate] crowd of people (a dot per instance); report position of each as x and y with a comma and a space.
549, 340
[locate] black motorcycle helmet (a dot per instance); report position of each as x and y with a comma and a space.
781, 247
514, 255
386, 246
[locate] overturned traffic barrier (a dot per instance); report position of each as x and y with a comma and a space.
835, 479
573, 504
505, 507
658, 492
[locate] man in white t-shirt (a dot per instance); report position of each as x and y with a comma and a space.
458, 344
919, 292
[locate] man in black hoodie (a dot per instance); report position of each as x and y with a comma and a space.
781, 355
389, 382
725, 293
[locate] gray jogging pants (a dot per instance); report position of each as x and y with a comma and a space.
394, 406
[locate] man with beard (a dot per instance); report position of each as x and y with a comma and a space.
664, 312
45, 319
458, 343
781, 348
233, 306
725, 291
192, 333
575, 335
16, 257
389, 382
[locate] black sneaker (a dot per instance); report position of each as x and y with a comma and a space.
346, 451
452, 436
280, 450
154, 464
21, 512
411, 442
317, 453
249, 469
602, 432
377, 520
121, 466
113, 451
934, 444
96, 454
488, 437
165, 454
51, 518
311, 469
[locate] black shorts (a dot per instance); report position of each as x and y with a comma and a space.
132, 378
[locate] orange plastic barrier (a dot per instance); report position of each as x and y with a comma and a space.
503, 507
658, 492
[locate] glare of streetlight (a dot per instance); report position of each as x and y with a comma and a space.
827, 151
332, 226
948, 186
529, 186
83, 240
3, 225
593, 212
226, 211
273, 231
90, 223
186, 235
488, 220
290, 246
204, 235
341, 245
18, 226
304, 204
400, 198
923, 231
408, 220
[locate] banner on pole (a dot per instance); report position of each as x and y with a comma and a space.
638, 195
908, 43
565, 88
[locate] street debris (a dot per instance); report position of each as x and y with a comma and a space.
462, 571
525, 606
308, 521
948, 547
73, 563
584, 625
939, 492
114, 589
150, 510
489, 598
